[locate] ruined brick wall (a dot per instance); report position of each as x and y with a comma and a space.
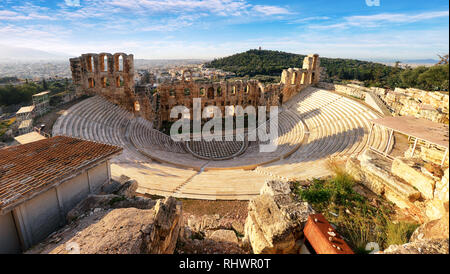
295, 80
112, 76
109, 75
243, 93
220, 94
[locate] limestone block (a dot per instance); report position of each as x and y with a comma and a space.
377, 172
224, 236
276, 230
275, 222
439, 246
404, 169
433, 155
436, 229
353, 167
435, 209
274, 188
441, 190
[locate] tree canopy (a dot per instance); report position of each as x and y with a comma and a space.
271, 63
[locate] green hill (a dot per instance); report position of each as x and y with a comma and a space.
271, 63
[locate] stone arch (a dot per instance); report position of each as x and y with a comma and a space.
303, 80
119, 61
91, 82
103, 61
105, 82
119, 81
90, 63
293, 78
211, 93
233, 90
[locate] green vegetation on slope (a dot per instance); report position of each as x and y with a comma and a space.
271, 63
5, 124
22, 94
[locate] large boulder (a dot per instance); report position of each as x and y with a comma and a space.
439, 246
436, 229
275, 220
120, 231
409, 170
441, 191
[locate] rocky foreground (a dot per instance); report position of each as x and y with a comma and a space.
121, 223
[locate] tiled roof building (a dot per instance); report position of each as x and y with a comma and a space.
41, 181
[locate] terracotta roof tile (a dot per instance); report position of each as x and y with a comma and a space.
27, 169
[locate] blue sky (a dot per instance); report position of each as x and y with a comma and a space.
171, 29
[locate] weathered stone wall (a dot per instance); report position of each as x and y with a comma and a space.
109, 75
242, 93
418, 103
112, 76
402, 102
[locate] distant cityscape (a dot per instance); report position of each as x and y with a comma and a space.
161, 69
154, 71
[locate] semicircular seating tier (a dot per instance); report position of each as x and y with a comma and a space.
312, 127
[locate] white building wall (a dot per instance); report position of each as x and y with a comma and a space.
9, 239
73, 191
98, 176
40, 216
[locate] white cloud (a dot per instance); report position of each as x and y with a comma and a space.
72, 3
15, 16
309, 19
377, 20
271, 10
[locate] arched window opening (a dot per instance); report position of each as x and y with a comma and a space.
211, 93
105, 82
103, 63
118, 63
91, 82
219, 91
202, 91
303, 78
187, 92
90, 64
234, 90
172, 92
119, 81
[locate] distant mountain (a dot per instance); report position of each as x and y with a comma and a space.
19, 54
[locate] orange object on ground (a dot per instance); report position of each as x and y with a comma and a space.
323, 237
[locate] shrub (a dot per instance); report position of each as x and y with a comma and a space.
399, 233
356, 219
